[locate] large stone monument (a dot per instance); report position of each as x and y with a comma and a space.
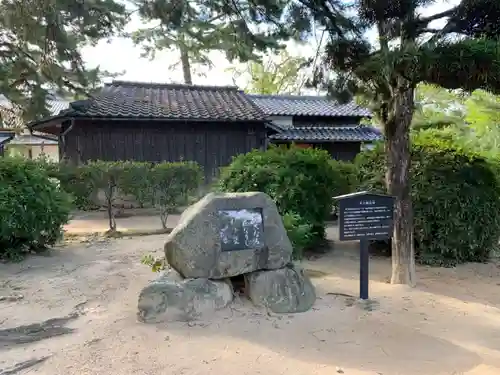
218, 239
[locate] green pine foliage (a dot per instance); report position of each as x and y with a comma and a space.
456, 199
41, 43
196, 28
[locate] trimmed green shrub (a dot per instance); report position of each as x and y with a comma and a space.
74, 181
32, 208
346, 179
136, 181
455, 200
71, 180
299, 232
105, 176
172, 184
298, 180
347, 176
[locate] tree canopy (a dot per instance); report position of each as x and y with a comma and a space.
463, 53
283, 74
40, 42
194, 28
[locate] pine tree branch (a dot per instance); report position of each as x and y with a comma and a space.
437, 16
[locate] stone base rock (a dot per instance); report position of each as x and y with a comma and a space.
285, 290
173, 298
194, 247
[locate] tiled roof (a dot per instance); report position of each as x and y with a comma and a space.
290, 105
330, 133
6, 136
122, 99
56, 106
14, 120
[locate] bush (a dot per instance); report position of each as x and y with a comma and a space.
298, 180
455, 200
172, 184
32, 208
105, 176
299, 232
346, 179
136, 181
71, 180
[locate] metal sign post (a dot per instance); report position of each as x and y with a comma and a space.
365, 216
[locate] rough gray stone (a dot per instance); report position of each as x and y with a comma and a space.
286, 290
173, 298
193, 248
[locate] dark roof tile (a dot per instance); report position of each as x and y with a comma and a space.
122, 99
292, 105
6, 136
330, 133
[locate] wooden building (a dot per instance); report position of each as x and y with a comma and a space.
159, 122
209, 125
314, 121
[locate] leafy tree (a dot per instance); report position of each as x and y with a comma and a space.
40, 43
472, 119
194, 28
483, 119
284, 75
438, 108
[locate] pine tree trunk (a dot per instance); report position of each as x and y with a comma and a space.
398, 185
186, 66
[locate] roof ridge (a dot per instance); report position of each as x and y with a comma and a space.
290, 97
171, 86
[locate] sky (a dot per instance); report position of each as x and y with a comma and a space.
120, 55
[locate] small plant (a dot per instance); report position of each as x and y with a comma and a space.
156, 264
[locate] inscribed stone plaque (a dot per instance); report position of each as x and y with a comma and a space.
241, 229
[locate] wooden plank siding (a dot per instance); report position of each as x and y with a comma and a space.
344, 151
325, 121
211, 144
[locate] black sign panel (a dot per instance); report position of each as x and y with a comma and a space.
241, 229
365, 216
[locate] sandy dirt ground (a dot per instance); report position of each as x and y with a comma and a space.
85, 293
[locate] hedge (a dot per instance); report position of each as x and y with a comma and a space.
165, 185
455, 195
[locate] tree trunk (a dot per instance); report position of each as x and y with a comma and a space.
164, 217
398, 151
186, 66
109, 203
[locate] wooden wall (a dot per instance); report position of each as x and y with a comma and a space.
345, 151
325, 121
212, 145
